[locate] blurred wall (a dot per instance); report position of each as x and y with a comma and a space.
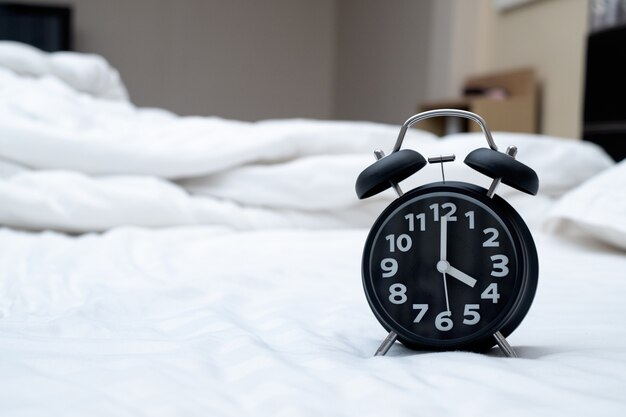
347, 59
238, 59
548, 35
381, 59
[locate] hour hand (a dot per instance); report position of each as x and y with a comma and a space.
461, 276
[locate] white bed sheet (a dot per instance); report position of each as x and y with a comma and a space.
245, 296
206, 321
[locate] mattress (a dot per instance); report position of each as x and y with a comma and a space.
158, 265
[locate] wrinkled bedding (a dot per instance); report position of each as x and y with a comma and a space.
202, 321
157, 265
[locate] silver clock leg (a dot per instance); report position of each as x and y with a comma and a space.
511, 151
387, 344
504, 345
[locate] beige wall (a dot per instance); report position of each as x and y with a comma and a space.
237, 58
548, 35
433, 45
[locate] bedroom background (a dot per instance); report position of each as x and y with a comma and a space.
333, 59
212, 265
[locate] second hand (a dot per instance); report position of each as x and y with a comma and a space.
445, 289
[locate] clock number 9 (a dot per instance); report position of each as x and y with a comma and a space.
389, 267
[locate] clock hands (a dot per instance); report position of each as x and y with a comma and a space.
443, 248
445, 289
461, 276
443, 242
444, 266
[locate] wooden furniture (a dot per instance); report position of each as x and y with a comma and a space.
516, 112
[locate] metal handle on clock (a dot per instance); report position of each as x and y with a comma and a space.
442, 113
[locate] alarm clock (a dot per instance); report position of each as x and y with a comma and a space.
449, 265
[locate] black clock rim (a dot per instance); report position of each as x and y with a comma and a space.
523, 244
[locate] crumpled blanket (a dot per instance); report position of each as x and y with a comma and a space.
76, 157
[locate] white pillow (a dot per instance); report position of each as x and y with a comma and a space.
22, 58
597, 208
87, 73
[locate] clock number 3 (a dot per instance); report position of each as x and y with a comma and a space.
500, 263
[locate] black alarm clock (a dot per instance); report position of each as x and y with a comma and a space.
449, 265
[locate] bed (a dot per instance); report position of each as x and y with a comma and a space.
152, 264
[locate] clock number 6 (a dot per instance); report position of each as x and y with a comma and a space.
443, 322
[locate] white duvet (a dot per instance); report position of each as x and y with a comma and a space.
205, 322
215, 269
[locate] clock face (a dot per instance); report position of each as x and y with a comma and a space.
442, 268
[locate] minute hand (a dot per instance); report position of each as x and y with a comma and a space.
443, 241
461, 276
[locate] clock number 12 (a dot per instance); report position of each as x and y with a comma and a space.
449, 215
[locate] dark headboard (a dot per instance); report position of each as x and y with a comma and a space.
46, 27
604, 119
